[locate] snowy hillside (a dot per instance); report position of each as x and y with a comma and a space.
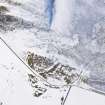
15, 87
69, 33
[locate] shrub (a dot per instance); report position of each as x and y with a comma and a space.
3, 9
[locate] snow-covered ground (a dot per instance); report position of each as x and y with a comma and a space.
63, 15
79, 96
68, 31
15, 89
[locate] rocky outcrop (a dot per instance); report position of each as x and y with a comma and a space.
46, 68
9, 23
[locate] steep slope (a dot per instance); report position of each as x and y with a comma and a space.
75, 39
15, 87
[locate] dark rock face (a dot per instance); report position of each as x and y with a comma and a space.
38, 90
47, 69
9, 23
3, 9
12, 2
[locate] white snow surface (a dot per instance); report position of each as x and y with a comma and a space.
79, 96
75, 38
15, 88
63, 16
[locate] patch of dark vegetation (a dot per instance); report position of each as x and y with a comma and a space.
9, 23
37, 94
1, 103
14, 3
43, 75
32, 78
47, 69
3, 9
67, 80
84, 79
35, 61
38, 90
